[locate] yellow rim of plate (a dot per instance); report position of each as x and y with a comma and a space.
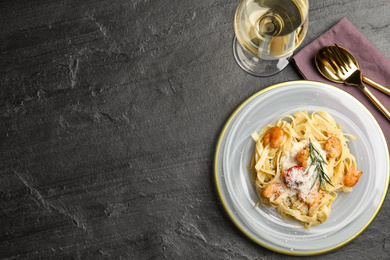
225, 206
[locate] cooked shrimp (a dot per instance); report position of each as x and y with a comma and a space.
273, 190
333, 146
275, 136
352, 177
303, 155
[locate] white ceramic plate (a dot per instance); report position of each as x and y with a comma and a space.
351, 212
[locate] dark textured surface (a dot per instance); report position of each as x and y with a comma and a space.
110, 113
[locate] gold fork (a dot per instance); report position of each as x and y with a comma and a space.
342, 66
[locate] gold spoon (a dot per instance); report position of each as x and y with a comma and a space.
332, 77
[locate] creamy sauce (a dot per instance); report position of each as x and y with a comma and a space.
289, 159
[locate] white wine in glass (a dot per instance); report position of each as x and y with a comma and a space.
267, 32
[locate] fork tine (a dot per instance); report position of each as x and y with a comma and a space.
332, 66
333, 58
346, 60
336, 57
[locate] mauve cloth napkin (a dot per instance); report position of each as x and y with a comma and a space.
372, 63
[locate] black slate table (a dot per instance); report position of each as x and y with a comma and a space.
110, 115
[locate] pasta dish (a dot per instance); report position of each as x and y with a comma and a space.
300, 163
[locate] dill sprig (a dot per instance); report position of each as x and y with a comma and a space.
317, 161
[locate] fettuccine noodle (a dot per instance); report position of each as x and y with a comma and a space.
279, 176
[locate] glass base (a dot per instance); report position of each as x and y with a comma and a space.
256, 66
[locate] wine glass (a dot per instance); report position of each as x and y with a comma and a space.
267, 32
